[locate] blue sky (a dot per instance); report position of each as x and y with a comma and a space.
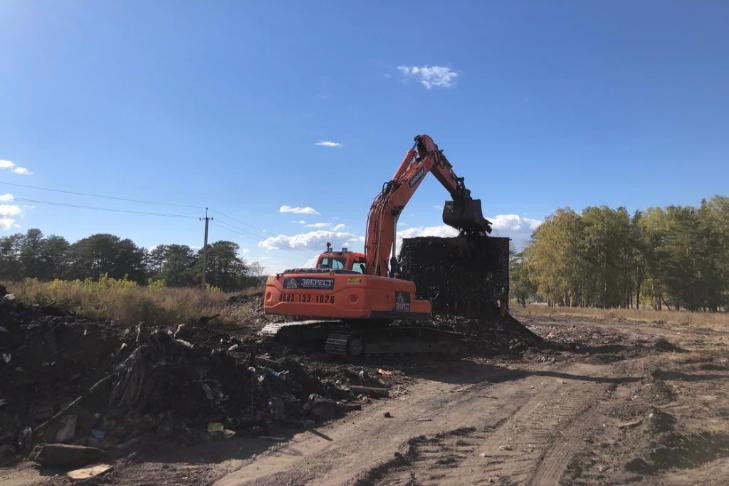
539, 105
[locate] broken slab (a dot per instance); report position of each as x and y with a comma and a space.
66, 455
89, 472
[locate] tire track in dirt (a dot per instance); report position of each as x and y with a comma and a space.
533, 445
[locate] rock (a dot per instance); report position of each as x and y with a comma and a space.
68, 428
66, 455
324, 408
6, 450
387, 415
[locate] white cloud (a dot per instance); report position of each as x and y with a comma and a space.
6, 164
514, 222
328, 143
518, 228
339, 227
430, 76
310, 240
9, 210
318, 225
297, 210
443, 231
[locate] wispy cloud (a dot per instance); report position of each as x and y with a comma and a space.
430, 76
6, 197
328, 143
13, 167
308, 241
322, 225
298, 210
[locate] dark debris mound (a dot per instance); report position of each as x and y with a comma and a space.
491, 333
464, 276
68, 379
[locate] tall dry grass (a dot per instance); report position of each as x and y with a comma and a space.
681, 317
124, 301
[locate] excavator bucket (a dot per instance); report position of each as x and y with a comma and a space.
466, 216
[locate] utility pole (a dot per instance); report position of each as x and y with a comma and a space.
205, 246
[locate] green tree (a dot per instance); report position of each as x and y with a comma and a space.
553, 258
224, 268
101, 254
11, 268
178, 269
521, 286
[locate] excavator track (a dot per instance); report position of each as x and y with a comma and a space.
393, 340
357, 340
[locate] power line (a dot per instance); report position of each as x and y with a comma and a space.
102, 196
236, 230
98, 208
235, 220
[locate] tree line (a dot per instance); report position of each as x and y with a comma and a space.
676, 257
33, 255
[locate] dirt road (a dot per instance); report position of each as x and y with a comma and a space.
628, 406
630, 402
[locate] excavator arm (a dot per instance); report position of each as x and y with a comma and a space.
463, 213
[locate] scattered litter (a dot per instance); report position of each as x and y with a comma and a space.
630, 424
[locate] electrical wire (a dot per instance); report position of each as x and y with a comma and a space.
237, 221
98, 208
236, 230
102, 196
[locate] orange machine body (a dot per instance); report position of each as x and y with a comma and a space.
348, 285
338, 289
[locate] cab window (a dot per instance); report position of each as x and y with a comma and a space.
358, 267
331, 263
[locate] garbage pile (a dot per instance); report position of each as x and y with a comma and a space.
466, 280
492, 333
464, 276
66, 379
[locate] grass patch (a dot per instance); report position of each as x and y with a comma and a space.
127, 303
681, 317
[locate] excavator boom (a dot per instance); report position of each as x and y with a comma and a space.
462, 213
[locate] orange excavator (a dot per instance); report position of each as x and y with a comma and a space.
350, 299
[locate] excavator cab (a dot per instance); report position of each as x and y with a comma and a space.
341, 260
466, 216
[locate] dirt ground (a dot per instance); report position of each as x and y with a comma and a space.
614, 402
